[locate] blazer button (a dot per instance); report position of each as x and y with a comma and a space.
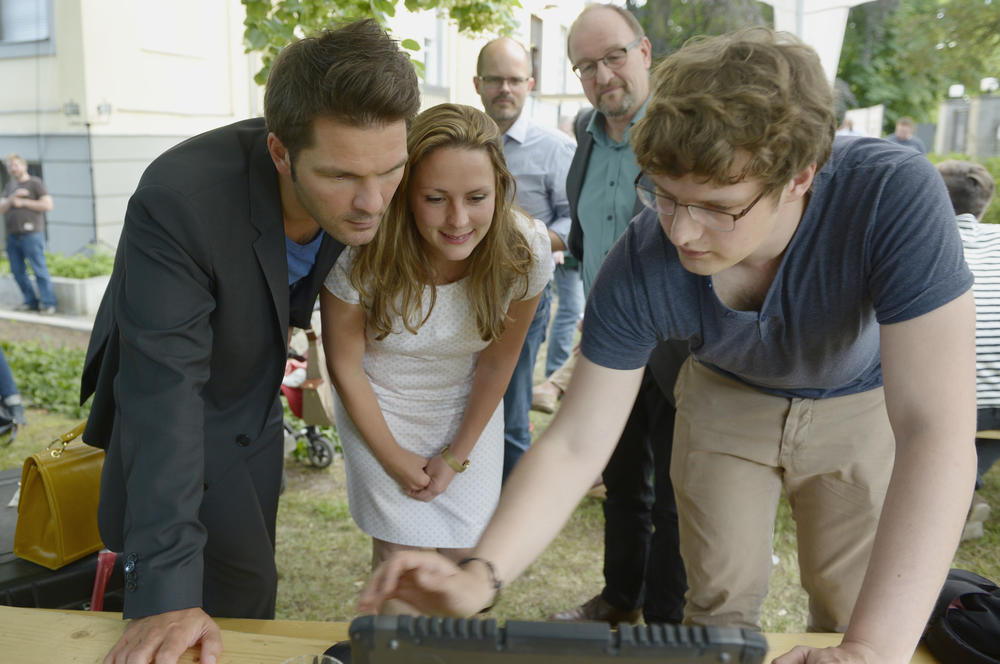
242, 440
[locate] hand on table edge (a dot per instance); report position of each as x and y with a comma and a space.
848, 652
164, 637
430, 582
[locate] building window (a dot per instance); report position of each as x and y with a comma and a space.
536, 51
26, 28
959, 130
564, 65
434, 56
435, 49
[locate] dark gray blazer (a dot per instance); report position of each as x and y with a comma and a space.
667, 357
189, 348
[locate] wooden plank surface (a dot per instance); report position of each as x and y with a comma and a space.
28, 636
45, 636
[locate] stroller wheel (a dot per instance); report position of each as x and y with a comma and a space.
320, 450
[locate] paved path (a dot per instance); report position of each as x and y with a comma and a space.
54, 331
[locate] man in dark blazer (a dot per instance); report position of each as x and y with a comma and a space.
643, 570
226, 243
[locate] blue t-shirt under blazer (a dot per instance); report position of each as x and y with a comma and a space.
877, 244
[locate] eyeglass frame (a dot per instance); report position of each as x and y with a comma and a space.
498, 81
641, 189
604, 59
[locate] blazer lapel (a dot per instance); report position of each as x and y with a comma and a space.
266, 217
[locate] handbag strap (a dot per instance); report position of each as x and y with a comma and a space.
58, 446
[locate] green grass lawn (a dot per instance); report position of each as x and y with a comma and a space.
323, 558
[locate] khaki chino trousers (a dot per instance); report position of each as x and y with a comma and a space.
735, 449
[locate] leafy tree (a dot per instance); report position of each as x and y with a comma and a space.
270, 24
905, 53
670, 23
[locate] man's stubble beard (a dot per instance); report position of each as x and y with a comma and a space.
502, 114
623, 108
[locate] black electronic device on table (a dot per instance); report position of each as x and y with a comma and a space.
422, 640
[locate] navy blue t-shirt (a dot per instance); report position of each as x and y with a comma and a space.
877, 244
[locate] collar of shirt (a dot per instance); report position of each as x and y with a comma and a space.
596, 127
518, 131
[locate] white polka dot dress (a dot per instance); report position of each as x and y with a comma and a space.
422, 382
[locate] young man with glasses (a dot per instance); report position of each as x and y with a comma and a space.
612, 58
539, 159
845, 276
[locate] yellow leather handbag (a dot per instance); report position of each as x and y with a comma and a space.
57, 510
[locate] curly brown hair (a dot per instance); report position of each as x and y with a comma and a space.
752, 103
391, 272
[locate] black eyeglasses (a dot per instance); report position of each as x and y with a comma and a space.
498, 81
666, 205
613, 59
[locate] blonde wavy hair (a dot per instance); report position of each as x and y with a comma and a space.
391, 272
752, 103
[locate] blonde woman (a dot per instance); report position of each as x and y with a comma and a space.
423, 328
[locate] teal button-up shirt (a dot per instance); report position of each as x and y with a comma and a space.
607, 197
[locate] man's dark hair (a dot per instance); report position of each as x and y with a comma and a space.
969, 184
354, 74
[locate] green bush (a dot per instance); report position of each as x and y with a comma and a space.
95, 262
992, 164
48, 378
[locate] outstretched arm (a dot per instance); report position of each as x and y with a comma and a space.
493, 371
344, 341
163, 311
555, 472
928, 367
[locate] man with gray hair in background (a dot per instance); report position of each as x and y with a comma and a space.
611, 56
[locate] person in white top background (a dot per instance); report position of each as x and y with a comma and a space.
971, 188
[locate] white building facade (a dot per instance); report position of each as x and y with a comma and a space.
98, 88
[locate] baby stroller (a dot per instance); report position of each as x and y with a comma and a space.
307, 390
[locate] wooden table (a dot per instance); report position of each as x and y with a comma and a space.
30, 636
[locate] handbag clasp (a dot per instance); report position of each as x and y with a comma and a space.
58, 446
